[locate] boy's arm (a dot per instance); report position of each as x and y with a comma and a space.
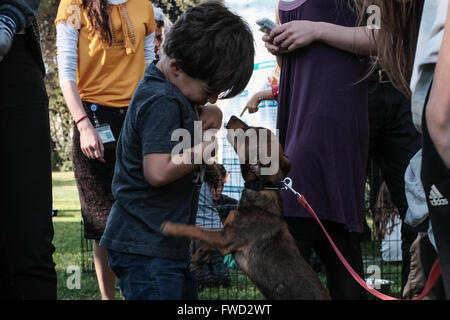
160, 165
159, 169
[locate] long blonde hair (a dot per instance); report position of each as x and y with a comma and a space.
396, 40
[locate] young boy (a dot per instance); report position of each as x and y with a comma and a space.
207, 54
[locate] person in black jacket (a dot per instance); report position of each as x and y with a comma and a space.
27, 270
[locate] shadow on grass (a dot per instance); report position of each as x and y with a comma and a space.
67, 214
62, 183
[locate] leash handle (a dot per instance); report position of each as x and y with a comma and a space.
432, 278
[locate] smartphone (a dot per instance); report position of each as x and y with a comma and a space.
266, 25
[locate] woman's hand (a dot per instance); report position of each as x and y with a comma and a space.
252, 105
90, 142
273, 49
293, 35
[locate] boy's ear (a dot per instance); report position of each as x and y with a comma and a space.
173, 64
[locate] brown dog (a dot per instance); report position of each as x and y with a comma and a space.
256, 234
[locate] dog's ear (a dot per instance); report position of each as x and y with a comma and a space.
235, 132
236, 123
285, 164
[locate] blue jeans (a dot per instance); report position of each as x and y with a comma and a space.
151, 278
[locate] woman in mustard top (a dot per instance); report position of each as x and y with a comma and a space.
103, 49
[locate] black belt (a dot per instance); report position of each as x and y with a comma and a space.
383, 77
121, 110
379, 76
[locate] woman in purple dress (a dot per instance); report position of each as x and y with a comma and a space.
323, 128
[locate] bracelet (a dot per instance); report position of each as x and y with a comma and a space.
275, 90
81, 119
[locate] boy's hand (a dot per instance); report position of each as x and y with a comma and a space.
211, 117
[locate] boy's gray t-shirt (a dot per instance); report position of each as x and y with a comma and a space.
156, 110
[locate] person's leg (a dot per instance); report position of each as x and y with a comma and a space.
304, 231
27, 270
341, 284
436, 183
397, 144
105, 276
149, 278
94, 180
95, 204
377, 110
190, 285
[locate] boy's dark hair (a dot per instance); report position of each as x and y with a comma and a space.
212, 44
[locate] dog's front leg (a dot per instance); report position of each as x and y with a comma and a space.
216, 239
201, 256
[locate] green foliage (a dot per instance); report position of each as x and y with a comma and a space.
60, 118
174, 8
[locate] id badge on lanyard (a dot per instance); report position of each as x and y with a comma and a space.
104, 129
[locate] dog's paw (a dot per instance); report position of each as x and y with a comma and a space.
195, 265
201, 256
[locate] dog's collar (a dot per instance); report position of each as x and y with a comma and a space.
258, 185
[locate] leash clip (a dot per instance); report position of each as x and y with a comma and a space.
287, 182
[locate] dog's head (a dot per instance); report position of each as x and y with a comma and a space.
260, 153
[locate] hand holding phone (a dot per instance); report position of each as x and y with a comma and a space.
266, 25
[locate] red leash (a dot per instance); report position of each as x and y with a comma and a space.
432, 278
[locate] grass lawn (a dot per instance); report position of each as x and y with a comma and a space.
67, 241
68, 254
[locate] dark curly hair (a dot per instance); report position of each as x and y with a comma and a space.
97, 11
212, 44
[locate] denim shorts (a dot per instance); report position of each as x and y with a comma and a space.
152, 278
